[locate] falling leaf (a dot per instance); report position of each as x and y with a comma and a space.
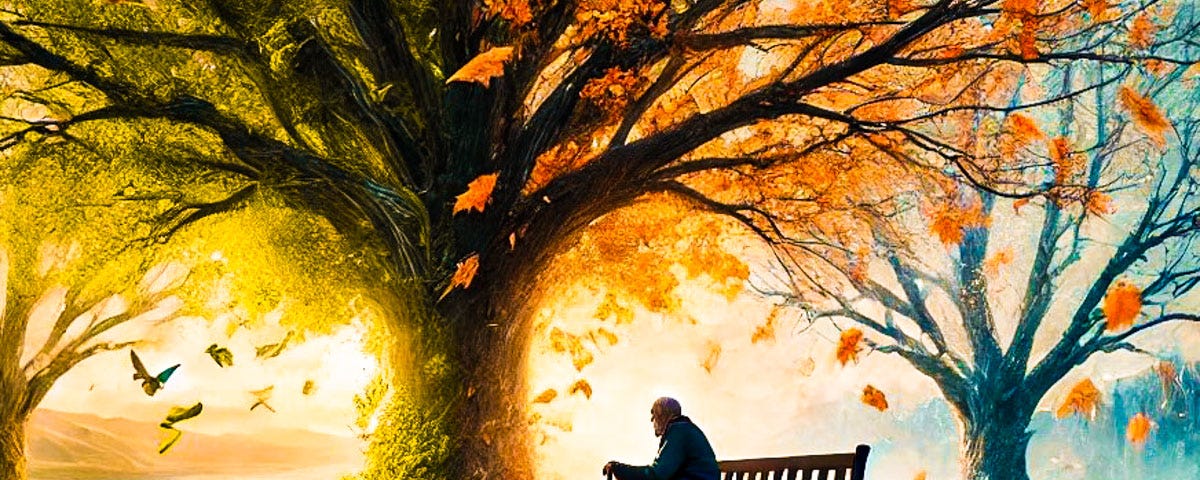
609, 337
1146, 115
710, 360
546, 396
874, 397
463, 274
581, 386
999, 259
848, 348
478, 194
1122, 304
1082, 399
483, 67
563, 342
1139, 429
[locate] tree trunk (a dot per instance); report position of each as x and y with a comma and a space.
994, 445
12, 449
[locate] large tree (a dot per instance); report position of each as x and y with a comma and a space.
477, 139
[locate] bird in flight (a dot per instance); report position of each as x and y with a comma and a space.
150, 384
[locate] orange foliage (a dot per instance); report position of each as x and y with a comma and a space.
1066, 165
848, 345
564, 342
1098, 203
1142, 31
619, 20
581, 386
546, 396
483, 67
1018, 203
1027, 43
515, 11
463, 274
1096, 9
875, 398
1146, 115
920, 475
478, 194
1122, 304
950, 223
1082, 400
610, 92
1139, 429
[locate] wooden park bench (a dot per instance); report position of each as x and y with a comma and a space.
832, 466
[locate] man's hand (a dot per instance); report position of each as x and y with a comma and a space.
608, 468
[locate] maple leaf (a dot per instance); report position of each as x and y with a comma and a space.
848, 348
1146, 115
581, 386
1142, 31
463, 274
874, 397
546, 396
483, 67
1082, 399
1138, 429
1121, 305
478, 194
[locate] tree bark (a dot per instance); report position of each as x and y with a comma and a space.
12, 448
994, 445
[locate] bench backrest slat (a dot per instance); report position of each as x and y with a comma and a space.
843, 466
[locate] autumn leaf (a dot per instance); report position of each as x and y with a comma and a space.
848, 348
1121, 305
609, 337
950, 222
483, 67
478, 194
1082, 399
1139, 429
1142, 31
1027, 43
1146, 115
546, 396
581, 386
993, 263
710, 359
463, 274
515, 11
875, 398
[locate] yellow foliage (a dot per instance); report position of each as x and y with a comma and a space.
1082, 399
1121, 305
483, 67
478, 194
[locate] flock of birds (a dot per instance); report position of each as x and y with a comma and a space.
151, 384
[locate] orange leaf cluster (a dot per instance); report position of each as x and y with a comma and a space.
848, 345
1022, 131
1082, 400
546, 396
1098, 203
1138, 429
1066, 165
619, 20
463, 274
1020, 8
563, 342
515, 11
950, 223
610, 308
1146, 115
581, 386
1142, 31
610, 92
874, 397
1121, 305
1096, 8
483, 67
478, 194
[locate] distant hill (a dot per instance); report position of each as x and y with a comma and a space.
86, 447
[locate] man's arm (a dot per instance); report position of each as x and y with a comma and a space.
666, 464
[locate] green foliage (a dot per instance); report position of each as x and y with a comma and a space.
411, 439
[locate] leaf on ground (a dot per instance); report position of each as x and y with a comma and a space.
483, 67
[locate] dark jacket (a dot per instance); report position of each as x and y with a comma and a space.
683, 454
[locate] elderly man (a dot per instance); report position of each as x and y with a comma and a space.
683, 450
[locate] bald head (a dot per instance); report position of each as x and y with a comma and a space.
662, 412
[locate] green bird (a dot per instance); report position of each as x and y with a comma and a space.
221, 355
176, 415
150, 384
